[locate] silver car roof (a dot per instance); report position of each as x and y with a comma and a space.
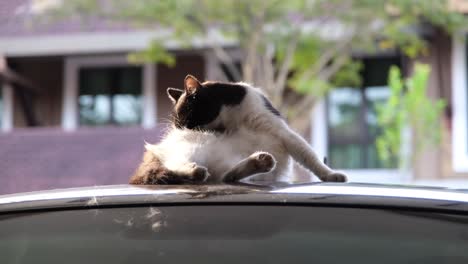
314, 194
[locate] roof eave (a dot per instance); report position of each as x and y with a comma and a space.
94, 42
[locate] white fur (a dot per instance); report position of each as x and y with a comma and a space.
251, 127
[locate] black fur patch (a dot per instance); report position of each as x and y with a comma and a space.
193, 111
227, 93
270, 107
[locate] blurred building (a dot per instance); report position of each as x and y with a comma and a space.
345, 124
74, 112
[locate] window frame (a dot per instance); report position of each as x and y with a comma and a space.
70, 116
459, 103
365, 138
115, 74
320, 141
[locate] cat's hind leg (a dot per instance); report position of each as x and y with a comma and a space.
259, 162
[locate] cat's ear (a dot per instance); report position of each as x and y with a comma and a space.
191, 84
174, 94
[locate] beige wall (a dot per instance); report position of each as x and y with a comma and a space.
436, 163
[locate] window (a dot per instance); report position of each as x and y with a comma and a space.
110, 96
107, 90
352, 118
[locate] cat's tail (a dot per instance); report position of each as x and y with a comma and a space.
300, 150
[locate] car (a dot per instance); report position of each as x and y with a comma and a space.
242, 223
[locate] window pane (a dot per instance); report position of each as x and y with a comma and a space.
110, 96
343, 110
352, 118
376, 97
346, 156
94, 109
375, 71
127, 109
352, 140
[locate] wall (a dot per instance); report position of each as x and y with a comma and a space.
436, 163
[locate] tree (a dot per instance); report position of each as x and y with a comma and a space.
408, 107
296, 50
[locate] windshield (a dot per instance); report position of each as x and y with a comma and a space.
233, 234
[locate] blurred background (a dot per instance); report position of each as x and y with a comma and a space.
378, 87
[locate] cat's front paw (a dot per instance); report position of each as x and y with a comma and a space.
194, 173
335, 177
263, 161
200, 174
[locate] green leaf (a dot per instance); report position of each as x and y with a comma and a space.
411, 108
156, 52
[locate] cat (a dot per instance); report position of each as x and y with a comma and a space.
226, 132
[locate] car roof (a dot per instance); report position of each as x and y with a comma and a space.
314, 194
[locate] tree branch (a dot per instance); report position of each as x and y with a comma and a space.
326, 58
336, 65
212, 42
305, 104
280, 81
257, 26
225, 58
268, 69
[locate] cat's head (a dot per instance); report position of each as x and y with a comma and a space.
198, 105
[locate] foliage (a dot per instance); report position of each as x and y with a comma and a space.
408, 106
304, 47
155, 52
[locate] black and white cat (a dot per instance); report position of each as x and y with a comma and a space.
225, 132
